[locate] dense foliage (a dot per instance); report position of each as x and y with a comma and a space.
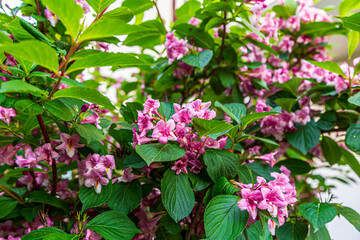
216, 134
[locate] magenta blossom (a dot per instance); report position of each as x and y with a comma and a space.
96, 179
69, 143
164, 131
45, 153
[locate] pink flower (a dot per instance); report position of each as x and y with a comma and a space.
144, 122
69, 143
6, 114
128, 176
249, 201
7, 153
28, 161
302, 116
164, 131
194, 21
92, 119
51, 17
269, 158
151, 106
180, 166
95, 178
106, 164
140, 139
175, 48
45, 153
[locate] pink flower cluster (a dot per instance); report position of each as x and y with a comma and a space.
93, 168
6, 114
273, 196
176, 48
178, 129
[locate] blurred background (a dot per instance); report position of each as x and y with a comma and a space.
346, 194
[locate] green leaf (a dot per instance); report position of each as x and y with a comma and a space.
187, 11
41, 233
330, 66
263, 170
106, 28
166, 109
177, 195
318, 214
18, 86
34, 51
286, 103
356, 98
113, 225
206, 127
60, 236
125, 197
250, 118
89, 132
217, 6
59, 110
305, 137
202, 39
321, 234
223, 187
270, 144
249, 26
200, 181
7, 205
292, 231
330, 149
352, 22
44, 197
226, 77
223, 219
296, 166
87, 94
99, 5
18, 31
351, 160
157, 152
262, 46
90, 198
102, 59
138, 6
221, 163
200, 60
291, 85
4, 141
350, 214
68, 12
353, 42
348, 5
235, 110
29, 107
120, 13
352, 137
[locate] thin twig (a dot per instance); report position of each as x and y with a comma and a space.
41, 24
158, 12
11, 194
174, 10
223, 37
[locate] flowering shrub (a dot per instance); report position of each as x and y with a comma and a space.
216, 134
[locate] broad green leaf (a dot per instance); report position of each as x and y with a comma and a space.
46, 198
166, 109
263, 170
29, 107
223, 187
103, 59
18, 31
330, 66
249, 26
89, 132
106, 28
330, 149
350, 214
87, 94
223, 219
157, 152
138, 6
7, 205
286, 103
90, 198
352, 22
113, 225
201, 38
296, 166
34, 51
321, 234
4, 141
262, 45
235, 110
187, 11
250, 118
177, 195
125, 197
221, 163
120, 13
60, 236
353, 42
291, 85
41, 233
59, 110
99, 5
318, 214
217, 6
258, 232
292, 231
356, 98
68, 12
200, 181
305, 137
18, 86
348, 5
200, 60
227, 77
206, 127
352, 137
351, 160
270, 144
5, 39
